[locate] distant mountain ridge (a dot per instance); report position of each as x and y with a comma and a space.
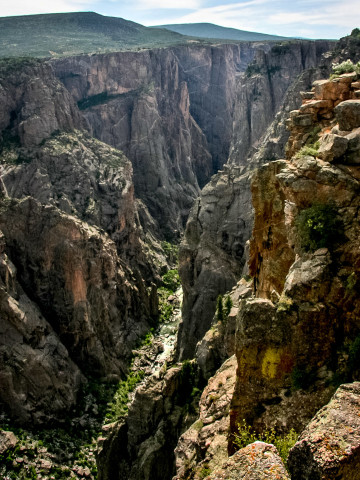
210, 30
59, 34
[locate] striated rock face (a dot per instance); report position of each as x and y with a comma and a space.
74, 274
38, 379
260, 93
329, 447
34, 103
169, 110
213, 254
204, 444
258, 461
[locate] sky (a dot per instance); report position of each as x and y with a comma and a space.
297, 18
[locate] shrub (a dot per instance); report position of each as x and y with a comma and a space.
319, 226
171, 280
344, 67
220, 309
302, 378
228, 305
246, 435
166, 309
311, 149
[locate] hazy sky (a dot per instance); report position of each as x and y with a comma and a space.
306, 18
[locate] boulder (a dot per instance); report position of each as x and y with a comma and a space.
7, 440
332, 147
329, 447
257, 461
348, 114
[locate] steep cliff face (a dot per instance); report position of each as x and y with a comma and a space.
213, 252
38, 379
74, 274
304, 260
34, 103
169, 110
73, 193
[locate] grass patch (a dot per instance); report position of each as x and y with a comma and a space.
310, 149
247, 435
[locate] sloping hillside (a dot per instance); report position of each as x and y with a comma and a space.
209, 30
73, 33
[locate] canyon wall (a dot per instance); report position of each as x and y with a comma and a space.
169, 110
213, 251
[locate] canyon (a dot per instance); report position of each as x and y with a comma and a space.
106, 161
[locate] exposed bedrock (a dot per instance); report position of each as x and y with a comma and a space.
38, 379
73, 273
329, 447
172, 110
213, 252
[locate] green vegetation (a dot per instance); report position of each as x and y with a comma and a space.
171, 252
253, 69
171, 280
66, 34
285, 304
345, 67
319, 226
119, 406
355, 33
228, 305
309, 149
354, 356
247, 435
220, 309
166, 309
187, 390
211, 31
223, 307
205, 471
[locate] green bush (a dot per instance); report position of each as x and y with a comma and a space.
228, 305
246, 435
220, 316
319, 226
344, 67
166, 309
119, 406
311, 149
302, 378
171, 280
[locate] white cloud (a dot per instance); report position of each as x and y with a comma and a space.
166, 4
24, 7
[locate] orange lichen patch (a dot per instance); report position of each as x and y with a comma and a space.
76, 284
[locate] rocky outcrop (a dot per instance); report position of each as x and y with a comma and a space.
204, 444
304, 280
34, 103
218, 343
213, 252
86, 178
38, 379
74, 274
258, 461
142, 445
329, 447
329, 110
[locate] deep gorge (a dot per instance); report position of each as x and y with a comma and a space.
107, 162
